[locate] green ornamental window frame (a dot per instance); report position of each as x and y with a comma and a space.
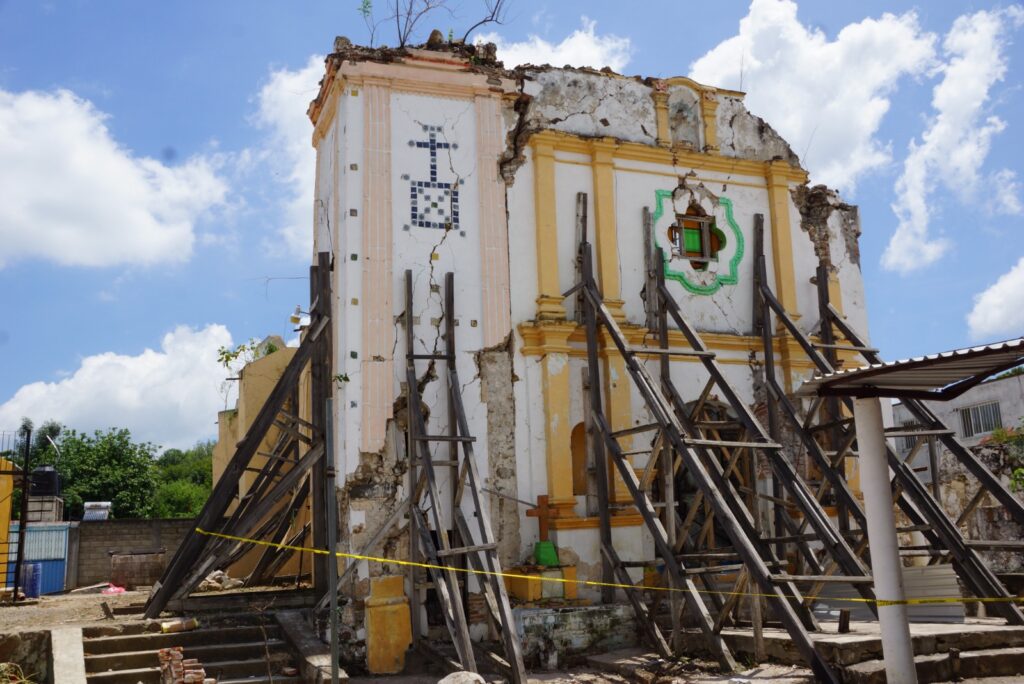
731, 277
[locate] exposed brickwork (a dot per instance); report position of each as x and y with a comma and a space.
98, 540
477, 609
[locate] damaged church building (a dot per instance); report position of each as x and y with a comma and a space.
558, 318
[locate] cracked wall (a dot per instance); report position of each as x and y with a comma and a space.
832, 227
741, 134
684, 116
990, 520
591, 104
425, 127
496, 393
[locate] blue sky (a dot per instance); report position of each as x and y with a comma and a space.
155, 167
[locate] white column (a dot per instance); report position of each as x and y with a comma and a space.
884, 546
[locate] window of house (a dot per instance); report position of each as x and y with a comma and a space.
696, 238
980, 419
907, 443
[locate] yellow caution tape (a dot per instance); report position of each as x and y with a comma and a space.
595, 583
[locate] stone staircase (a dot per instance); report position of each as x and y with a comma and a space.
248, 649
976, 648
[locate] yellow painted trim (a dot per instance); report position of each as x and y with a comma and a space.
781, 234
661, 115
709, 116
605, 227
678, 156
6, 490
700, 87
549, 301
556, 394
619, 400
566, 337
577, 523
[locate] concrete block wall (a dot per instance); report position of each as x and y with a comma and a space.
97, 540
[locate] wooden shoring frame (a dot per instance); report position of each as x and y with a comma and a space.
469, 552
711, 462
721, 467
911, 495
286, 477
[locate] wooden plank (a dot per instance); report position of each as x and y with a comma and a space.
221, 497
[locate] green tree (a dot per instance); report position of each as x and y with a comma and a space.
183, 480
178, 499
105, 466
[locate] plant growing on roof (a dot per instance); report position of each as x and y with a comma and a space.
1013, 439
234, 360
407, 14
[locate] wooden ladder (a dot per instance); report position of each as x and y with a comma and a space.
459, 546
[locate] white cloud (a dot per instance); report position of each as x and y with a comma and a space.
999, 310
289, 150
73, 195
1007, 191
582, 47
827, 98
957, 140
168, 396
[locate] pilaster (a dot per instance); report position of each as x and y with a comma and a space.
709, 115
377, 286
494, 287
549, 301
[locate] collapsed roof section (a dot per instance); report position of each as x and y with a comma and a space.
674, 112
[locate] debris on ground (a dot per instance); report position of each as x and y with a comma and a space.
11, 672
218, 580
179, 625
176, 669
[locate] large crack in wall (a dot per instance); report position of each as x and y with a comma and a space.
496, 373
816, 205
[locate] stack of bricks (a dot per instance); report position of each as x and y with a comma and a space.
176, 669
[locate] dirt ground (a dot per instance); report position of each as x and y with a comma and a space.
86, 609
68, 610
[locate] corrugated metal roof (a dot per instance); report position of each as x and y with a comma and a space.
936, 376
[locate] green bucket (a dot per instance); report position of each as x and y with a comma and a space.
545, 554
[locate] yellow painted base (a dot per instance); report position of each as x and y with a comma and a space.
534, 588
388, 625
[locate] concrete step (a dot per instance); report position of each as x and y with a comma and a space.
205, 653
154, 641
277, 679
218, 620
251, 667
939, 667
140, 675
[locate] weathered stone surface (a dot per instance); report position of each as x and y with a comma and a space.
592, 105
743, 135
554, 637
30, 651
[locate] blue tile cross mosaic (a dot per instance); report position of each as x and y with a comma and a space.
435, 204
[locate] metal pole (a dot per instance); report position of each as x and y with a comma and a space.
331, 504
23, 516
886, 567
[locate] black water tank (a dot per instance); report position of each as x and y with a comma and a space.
45, 482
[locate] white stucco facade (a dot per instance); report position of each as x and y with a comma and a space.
433, 164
